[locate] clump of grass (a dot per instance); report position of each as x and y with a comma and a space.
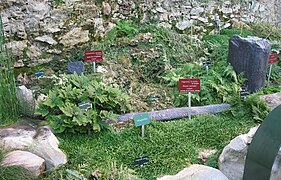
9, 110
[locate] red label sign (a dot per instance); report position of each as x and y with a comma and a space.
93, 56
272, 58
189, 85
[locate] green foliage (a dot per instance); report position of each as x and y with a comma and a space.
217, 45
9, 107
149, 49
221, 85
258, 107
269, 90
267, 31
170, 146
231, 32
64, 115
122, 29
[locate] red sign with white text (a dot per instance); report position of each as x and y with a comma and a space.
189, 85
272, 58
93, 56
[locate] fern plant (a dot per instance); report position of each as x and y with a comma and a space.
64, 115
221, 85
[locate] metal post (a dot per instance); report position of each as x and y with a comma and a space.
189, 105
142, 131
94, 67
269, 74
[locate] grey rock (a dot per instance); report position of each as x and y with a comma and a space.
26, 100
37, 140
17, 47
272, 100
46, 39
225, 10
232, 159
27, 160
106, 8
33, 52
197, 10
197, 172
161, 10
77, 67
19, 63
182, 25
46, 146
74, 37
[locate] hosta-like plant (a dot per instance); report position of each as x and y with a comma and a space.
62, 110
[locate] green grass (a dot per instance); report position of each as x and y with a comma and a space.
170, 146
9, 110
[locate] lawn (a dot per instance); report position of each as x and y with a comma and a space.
170, 146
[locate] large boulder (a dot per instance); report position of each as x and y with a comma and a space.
197, 172
26, 100
46, 146
27, 160
38, 140
232, 159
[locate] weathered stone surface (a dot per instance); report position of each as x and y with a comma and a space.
183, 25
197, 172
232, 159
27, 160
273, 100
26, 100
77, 67
106, 8
74, 37
31, 20
46, 146
46, 39
38, 140
17, 47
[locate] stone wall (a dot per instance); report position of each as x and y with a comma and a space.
39, 30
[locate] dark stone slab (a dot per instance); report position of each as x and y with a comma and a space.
77, 67
250, 56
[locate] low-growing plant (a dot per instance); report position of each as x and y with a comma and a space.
221, 85
63, 113
267, 31
258, 107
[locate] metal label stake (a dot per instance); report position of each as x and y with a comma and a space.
94, 67
142, 131
189, 105
269, 74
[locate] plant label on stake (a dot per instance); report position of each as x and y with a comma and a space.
189, 85
85, 105
272, 60
207, 64
141, 161
93, 56
39, 74
244, 94
141, 120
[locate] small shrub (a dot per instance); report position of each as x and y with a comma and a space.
64, 115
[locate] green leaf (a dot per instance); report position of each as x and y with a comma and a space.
42, 111
68, 109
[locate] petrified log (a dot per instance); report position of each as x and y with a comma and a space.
177, 113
